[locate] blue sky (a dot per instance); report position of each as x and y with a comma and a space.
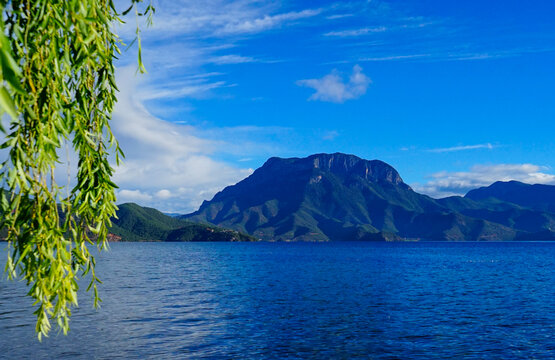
453, 94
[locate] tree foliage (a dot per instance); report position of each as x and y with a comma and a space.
57, 86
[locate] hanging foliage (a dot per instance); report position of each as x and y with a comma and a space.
57, 86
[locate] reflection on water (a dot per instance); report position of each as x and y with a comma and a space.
304, 300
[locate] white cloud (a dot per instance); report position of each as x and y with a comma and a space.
334, 88
189, 36
266, 22
394, 24
395, 57
330, 135
167, 166
445, 183
132, 196
218, 18
164, 194
232, 59
456, 54
177, 90
462, 148
357, 32
339, 16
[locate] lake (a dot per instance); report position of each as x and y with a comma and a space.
303, 300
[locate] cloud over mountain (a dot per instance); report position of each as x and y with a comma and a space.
334, 88
163, 158
446, 183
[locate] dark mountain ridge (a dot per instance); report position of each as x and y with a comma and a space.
538, 197
343, 197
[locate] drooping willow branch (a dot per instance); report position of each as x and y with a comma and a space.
57, 85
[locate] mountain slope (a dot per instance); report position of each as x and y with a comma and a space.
537, 197
337, 197
137, 223
515, 216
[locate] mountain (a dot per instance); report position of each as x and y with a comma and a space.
520, 218
137, 223
172, 214
342, 197
537, 197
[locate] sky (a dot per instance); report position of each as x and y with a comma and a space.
453, 94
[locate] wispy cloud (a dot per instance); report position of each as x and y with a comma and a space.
395, 57
172, 167
189, 36
339, 16
401, 36
446, 183
402, 24
178, 90
356, 32
493, 54
232, 59
266, 22
334, 88
462, 148
220, 18
330, 135
450, 54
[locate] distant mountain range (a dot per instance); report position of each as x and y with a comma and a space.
537, 197
338, 197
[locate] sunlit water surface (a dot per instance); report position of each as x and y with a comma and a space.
304, 300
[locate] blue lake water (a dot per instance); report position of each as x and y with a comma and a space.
304, 300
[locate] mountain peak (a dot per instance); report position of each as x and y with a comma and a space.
538, 196
496, 189
340, 164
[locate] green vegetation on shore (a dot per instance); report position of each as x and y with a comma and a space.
137, 223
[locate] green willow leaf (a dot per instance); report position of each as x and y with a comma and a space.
57, 82
7, 104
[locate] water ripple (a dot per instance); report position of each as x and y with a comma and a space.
310, 301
